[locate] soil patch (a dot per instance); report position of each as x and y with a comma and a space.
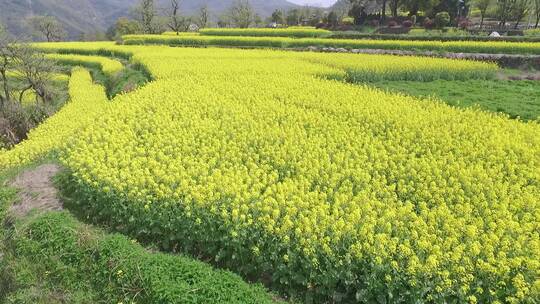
36, 190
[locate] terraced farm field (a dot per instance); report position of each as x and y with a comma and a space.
491, 47
272, 164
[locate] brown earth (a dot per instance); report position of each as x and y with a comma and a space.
36, 190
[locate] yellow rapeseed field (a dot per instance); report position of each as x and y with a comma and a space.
110, 67
336, 192
86, 101
491, 47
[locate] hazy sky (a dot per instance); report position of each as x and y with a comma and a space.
314, 2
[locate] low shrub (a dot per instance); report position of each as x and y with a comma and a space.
407, 23
442, 19
532, 32
392, 23
463, 23
428, 24
123, 271
348, 21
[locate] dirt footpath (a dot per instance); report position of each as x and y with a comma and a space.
36, 190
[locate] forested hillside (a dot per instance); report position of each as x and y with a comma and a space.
87, 16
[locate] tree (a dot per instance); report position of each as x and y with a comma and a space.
358, 12
224, 20
504, 10
463, 8
258, 20
204, 17
315, 16
482, 6
293, 17
49, 27
342, 8
123, 26
241, 13
332, 19
6, 64
145, 13
519, 10
35, 71
29, 70
277, 16
32, 70
383, 10
394, 5
414, 6
537, 12
442, 19
176, 22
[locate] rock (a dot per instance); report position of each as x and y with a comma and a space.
312, 48
341, 50
495, 34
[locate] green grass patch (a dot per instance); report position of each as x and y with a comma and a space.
52, 257
517, 98
128, 79
56, 259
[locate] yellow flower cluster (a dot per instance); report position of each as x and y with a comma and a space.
104, 48
492, 47
362, 68
335, 190
86, 101
110, 67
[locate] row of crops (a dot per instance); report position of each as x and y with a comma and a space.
110, 67
495, 47
293, 32
330, 191
87, 100
296, 32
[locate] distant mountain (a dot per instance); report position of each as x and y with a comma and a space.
86, 16
316, 3
262, 7
341, 4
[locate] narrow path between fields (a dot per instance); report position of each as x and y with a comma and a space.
36, 191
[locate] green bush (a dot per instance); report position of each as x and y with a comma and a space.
295, 32
79, 258
532, 32
442, 19
433, 35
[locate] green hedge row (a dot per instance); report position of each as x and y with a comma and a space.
500, 47
354, 35
120, 270
266, 32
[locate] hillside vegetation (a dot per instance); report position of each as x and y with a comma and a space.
87, 16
